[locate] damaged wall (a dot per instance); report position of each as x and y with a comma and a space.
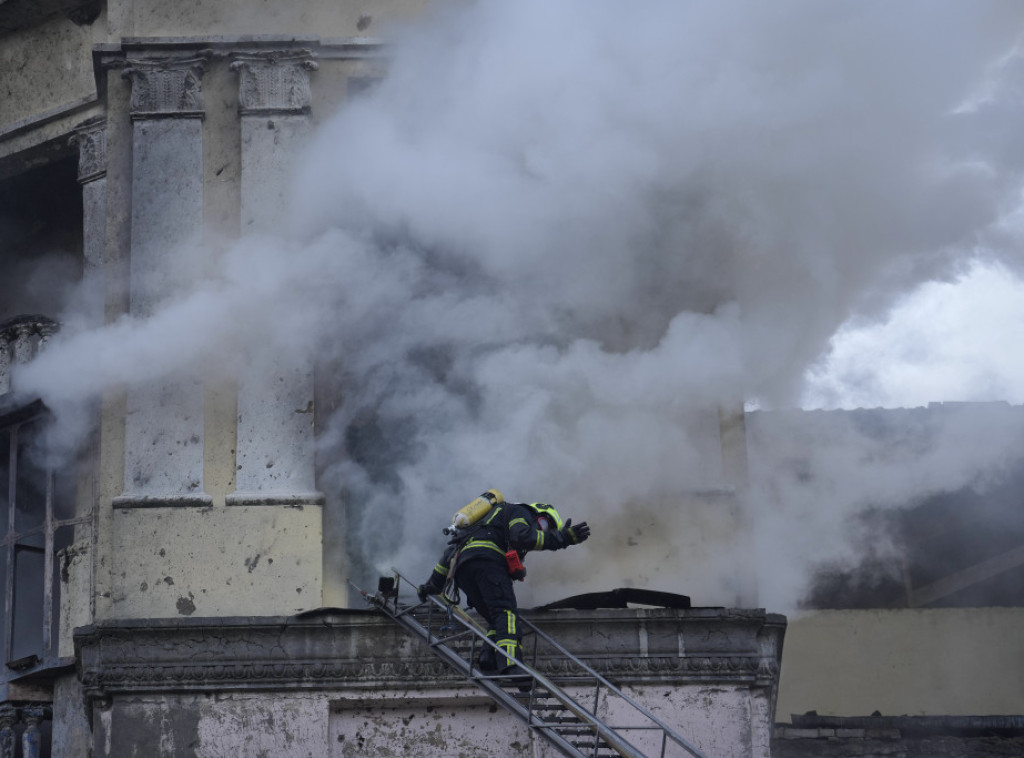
354, 683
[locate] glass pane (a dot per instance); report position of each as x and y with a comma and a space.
5, 481
28, 602
30, 478
36, 540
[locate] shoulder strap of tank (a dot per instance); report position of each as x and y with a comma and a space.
451, 589
470, 532
493, 514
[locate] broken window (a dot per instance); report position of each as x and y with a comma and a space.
37, 521
41, 238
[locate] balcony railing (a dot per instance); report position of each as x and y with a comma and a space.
21, 338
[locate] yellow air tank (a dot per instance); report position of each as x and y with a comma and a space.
474, 511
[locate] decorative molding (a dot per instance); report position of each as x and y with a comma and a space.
296, 500
166, 87
21, 339
274, 82
328, 673
162, 501
91, 140
361, 650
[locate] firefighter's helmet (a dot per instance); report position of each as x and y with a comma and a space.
546, 513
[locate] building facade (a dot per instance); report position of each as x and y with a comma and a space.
169, 587
160, 571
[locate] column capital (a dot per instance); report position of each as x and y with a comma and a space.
34, 713
274, 81
91, 140
166, 87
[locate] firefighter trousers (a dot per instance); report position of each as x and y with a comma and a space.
488, 589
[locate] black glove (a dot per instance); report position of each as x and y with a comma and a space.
421, 593
574, 535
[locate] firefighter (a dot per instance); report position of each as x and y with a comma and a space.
487, 556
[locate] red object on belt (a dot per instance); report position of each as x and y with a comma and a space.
516, 569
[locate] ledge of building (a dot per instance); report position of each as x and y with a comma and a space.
340, 649
813, 725
215, 46
813, 736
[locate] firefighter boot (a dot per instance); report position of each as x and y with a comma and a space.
487, 659
516, 676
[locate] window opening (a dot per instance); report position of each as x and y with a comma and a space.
37, 514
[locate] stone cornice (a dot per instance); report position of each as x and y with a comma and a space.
112, 55
359, 650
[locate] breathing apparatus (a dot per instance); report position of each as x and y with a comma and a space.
473, 512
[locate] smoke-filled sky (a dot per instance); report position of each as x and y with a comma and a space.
557, 234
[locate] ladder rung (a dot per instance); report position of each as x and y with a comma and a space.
577, 728
452, 634
571, 678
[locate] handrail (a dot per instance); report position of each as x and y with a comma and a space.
668, 730
388, 602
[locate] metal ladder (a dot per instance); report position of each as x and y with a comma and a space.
575, 728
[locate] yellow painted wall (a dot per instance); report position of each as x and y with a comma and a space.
217, 561
957, 661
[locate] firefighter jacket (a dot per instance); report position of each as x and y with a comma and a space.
508, 526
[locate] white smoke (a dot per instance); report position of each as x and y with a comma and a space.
557, 234
815, 471
944, 340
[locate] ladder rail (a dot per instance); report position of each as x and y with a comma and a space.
614, 740
439, 611
492, 684
669, 732
507, 701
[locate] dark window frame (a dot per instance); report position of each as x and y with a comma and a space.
12, 422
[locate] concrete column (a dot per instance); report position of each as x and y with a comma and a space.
275, 453
164, 423
91, 140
